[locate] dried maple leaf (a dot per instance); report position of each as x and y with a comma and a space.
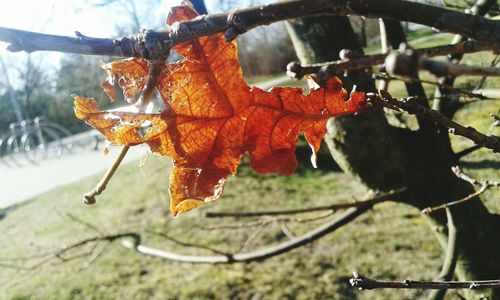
212, 117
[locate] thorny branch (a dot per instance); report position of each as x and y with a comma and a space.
331, 207
482, 183
410, 106
364, 283
151, 45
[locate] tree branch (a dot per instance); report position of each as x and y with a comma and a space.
477, 95
148, 44
49, 256
21, 40
408, 63
332, 207
409, 105
155, 68
364, 283
483, 183
450, 259
328, 69
258, 255
268, 221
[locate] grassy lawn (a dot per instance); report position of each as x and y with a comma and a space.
393, 241
138, 203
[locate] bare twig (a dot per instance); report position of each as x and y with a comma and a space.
328, 69
385, 76
408, 63
480, 7
89, 198
348, 216
47, 257
268, 221
482, 183
155, 68
450, 259
364, 283
493, 63
149, 44
495, 123
429, 210
467, 151
332, 207
83, 222
286, 231
251, 238
190, 245
384, 47
409, 105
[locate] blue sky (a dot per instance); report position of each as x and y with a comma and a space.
64, 18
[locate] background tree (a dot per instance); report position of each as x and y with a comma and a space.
384, 157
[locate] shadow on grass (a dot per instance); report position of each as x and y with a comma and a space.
481, 164
4, 212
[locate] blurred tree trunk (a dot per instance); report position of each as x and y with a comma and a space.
383, 157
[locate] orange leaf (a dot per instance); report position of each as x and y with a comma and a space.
212, 117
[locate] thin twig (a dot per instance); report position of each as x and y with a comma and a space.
58, 254
493, 63
495, 123
83, 222
364, 283
480, 7
190, 245
251, 238
450, 259
286, 231
267, 221
467, 151
331, 207
409, 105
155, 68
385, 76
89, 198
259, 255
484, 185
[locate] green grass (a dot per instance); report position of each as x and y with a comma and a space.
392, 242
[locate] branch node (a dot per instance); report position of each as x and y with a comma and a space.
150, 45
294, 70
